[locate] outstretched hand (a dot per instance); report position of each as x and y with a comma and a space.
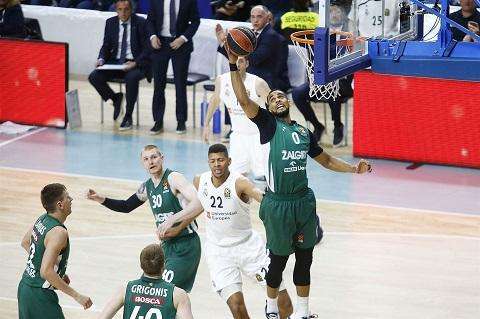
364, 166
93, 195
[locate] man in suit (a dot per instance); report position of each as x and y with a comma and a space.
171, 25
124, 42
269, 60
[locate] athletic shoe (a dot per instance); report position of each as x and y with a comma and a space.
117, 105
271, 315
181, 129
337, 135
157, 128
126, 124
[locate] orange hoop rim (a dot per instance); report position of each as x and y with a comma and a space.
301, 37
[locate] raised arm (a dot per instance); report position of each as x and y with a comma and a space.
249, 107
114, 304
182, 303
120, 205
338, 165
55, 242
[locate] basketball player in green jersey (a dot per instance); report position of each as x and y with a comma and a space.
48, 247
150, 296
288, 209
168, 193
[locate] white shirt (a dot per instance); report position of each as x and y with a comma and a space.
166, 17
240, 122
369, 18
227, 216
120, 36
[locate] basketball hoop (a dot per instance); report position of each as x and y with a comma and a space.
304, 46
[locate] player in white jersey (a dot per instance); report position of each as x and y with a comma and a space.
370, 20
232, 246
245, 144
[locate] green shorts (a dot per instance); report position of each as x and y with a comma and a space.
290, 221
35, 302
182, 256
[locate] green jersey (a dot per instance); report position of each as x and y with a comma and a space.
149, 298
163, 201
31, 275
286, 146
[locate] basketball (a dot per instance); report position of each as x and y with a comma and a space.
241, 41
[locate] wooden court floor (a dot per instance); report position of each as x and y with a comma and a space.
373, 263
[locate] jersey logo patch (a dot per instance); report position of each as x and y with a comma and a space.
300, 238
302, 131
227, 193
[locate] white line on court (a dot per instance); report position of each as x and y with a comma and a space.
22, 136
92, 308
404, 235
416, 210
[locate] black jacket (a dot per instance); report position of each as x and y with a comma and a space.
188, 20
12, 24
269, 59
138, 43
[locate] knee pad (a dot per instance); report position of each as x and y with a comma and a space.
303, 262
275, 270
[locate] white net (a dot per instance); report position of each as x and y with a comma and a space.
304, 48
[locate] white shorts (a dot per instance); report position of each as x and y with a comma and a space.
226, 264
246, 153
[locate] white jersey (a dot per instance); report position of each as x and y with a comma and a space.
228, 220
370, 21
240, 122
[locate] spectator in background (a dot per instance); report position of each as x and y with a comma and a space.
171, 26
100, 5
234, 10
370, 20
339, 21
38, 2
300, 18
277, 8
468, 13
12, 24
124, 42
269, 59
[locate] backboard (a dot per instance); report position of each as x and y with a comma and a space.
363, 20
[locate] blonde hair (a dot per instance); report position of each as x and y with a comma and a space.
150, 147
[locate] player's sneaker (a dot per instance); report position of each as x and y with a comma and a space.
271, 315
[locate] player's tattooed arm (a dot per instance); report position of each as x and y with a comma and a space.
192, 208
26, 239
120, 205
114, 304
246, 189
335, 164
